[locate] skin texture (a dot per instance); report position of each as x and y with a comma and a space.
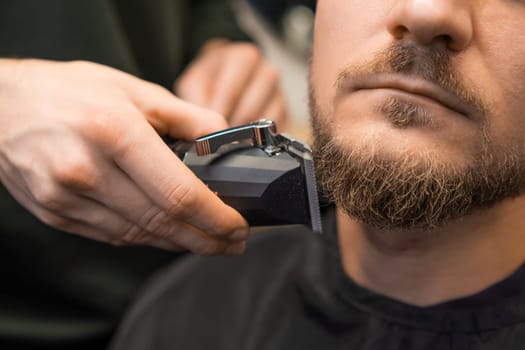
234, 80
80, 148
483, 43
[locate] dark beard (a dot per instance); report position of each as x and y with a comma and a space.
413, 191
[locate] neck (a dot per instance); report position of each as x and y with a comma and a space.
426, 268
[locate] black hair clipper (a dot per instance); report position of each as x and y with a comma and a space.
268, 177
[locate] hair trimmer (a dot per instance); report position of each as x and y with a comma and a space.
267, 177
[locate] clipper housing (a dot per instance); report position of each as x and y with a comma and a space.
268, 177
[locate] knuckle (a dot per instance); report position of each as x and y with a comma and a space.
107, 124
49, 197
125, 141
75, 172
181, 199
133, 235
155, 221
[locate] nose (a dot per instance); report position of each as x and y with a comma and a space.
430, 22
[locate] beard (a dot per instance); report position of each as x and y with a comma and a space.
419, 190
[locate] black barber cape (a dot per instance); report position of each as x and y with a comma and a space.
289, 292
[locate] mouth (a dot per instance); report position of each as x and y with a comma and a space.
414, 86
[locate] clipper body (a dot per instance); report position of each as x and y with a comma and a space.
268, 177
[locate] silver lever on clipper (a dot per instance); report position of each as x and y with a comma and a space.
262, 134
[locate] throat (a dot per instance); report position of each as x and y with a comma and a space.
428, 268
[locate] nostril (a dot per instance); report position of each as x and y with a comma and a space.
447, 39
399, 32
430, 22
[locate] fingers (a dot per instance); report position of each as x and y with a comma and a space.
169, 184
196, 84
109, 207
150, 226
235, 81
92, 223
120, 194
174, 188
261, 91
95, 125
239, 64
276, 110
77, 214
24, 197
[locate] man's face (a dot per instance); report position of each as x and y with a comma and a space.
418, 107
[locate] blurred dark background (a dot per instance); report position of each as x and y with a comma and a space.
275, 10
292, 21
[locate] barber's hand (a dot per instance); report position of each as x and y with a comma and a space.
79, 148
234, 80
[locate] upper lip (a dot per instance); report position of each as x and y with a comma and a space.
412, 85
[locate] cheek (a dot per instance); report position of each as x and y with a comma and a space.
346, 32
512, 110
503, 50
509, 121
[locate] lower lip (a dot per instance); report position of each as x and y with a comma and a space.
358, 116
